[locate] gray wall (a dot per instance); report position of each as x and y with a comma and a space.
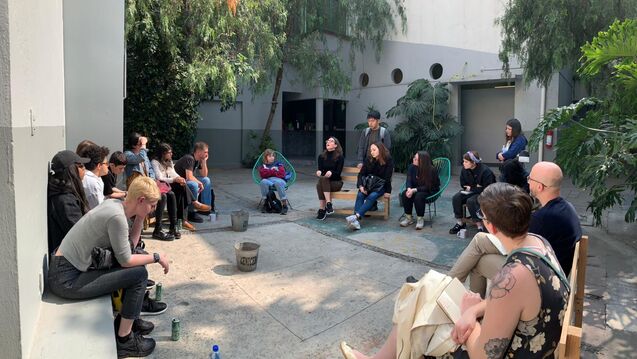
31, 131
94, 55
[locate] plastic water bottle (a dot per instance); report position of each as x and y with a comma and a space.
215, 352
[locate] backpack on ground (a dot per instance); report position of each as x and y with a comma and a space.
272, 204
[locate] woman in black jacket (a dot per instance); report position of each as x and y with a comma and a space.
422, 182
330, 166
376, 170
474, 178
66, 201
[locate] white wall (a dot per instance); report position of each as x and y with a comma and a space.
465, 24
94, 53
33, 94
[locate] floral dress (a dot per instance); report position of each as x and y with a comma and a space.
538, 337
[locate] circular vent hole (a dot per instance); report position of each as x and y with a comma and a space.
435, 71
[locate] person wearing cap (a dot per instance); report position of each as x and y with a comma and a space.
95, 169
66, 202
374, 133
474, 178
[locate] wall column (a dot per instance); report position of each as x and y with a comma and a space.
319, 126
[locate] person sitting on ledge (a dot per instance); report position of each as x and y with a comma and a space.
523, 314
474, 178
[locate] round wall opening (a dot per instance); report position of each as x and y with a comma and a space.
435, 71
397, 76
363, 79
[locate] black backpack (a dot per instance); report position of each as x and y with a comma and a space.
272, 204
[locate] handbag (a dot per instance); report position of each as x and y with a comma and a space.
163, 187
373, 183
102, 258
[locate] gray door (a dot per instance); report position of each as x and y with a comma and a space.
484, 112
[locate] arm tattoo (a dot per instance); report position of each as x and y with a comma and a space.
495, 348
503, 282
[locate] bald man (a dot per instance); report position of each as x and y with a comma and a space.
556, 220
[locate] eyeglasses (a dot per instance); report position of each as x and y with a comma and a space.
528, 178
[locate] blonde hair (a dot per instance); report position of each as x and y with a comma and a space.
267, 152
143, 186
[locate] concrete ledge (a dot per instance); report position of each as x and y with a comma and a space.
74, 329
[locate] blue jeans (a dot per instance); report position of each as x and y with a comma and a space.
277, 182
365, 202
206, 194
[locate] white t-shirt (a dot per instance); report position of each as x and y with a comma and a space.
93, 189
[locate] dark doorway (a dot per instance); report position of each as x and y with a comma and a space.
334, 121
299, 125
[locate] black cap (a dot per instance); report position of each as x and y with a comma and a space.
64, 159
374, 114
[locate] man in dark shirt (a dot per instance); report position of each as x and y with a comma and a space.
186, 167
116, 165
374, 133
557, 220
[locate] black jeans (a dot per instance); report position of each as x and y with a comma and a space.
170, 199
472, 205
68, 282
418, 200
184, 198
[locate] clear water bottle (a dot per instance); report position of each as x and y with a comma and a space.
215, 352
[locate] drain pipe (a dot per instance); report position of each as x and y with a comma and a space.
540, 150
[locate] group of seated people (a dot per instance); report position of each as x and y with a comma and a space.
93, 249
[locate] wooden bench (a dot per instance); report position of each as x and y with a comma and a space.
349, 192
571, 337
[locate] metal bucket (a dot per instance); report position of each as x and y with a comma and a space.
247, 254
239, 220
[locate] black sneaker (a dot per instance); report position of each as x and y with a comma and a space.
328, 208
194, 217
321, 214
163, 236
411, 279
152, 307
140, 326
136, 346
284, 210
175, 233
455, 229
150, 284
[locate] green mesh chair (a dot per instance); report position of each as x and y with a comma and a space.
289, 170
443, 165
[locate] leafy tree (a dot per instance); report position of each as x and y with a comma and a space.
306, 48
427, 125
546, 35
597, 147
182, 52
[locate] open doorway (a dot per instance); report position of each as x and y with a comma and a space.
334, 121
299, 126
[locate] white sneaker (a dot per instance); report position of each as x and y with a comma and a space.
355, 225
351, 218
420, 223
407, 221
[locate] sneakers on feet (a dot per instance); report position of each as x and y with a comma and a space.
150, 284
420, 223
284, 210
328, 208
356, 225
163, 236
352, 222
321, 214
408, 220
152, 307
455, 229
140, 326
136, 346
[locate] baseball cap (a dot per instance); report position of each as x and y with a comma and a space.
64, 159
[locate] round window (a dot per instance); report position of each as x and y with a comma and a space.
363, 79
397, 76
435, 71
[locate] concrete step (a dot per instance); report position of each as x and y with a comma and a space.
74, 329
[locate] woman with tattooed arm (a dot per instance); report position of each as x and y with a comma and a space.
524, 310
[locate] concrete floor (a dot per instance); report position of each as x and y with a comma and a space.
318, 283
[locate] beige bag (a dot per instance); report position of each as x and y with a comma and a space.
424, 315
